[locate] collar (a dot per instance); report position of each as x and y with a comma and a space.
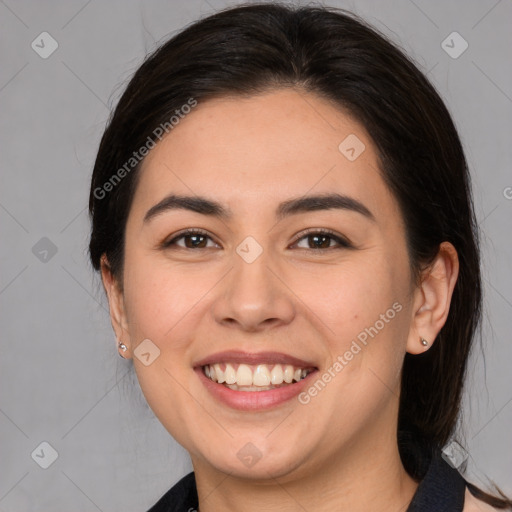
441, 490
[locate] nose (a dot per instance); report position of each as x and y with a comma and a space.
253, 297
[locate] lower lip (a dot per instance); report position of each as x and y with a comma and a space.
253, 400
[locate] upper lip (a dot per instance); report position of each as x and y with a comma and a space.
238, 356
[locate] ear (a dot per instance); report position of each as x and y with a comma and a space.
432, 299
116, 305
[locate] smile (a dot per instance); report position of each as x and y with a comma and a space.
254, 381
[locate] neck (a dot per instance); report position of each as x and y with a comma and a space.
369, 475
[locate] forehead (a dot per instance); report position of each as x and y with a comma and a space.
249, 152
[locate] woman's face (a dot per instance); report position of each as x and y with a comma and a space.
259, 292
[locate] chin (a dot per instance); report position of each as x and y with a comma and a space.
260, 460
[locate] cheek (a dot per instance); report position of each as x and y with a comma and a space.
164, 305
159, 298
364, 308
349, 299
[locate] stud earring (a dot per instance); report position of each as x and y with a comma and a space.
424, 342
123, 347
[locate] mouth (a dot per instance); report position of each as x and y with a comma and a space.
254, 381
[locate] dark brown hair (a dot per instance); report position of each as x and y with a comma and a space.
254, 48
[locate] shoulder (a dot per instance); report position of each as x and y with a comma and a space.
472, 504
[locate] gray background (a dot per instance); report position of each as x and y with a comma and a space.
61, 379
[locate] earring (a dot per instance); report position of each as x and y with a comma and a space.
424, 342
123, 347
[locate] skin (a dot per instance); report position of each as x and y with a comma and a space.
250, 154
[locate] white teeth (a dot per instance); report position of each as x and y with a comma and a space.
277, 375
230, 374
244, 375
261, 376
219, 373
251, 378
288, 373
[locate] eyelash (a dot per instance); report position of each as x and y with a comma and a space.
343, 242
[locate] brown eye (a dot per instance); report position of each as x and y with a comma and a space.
322, 239
193, 239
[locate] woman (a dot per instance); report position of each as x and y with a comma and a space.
282, 218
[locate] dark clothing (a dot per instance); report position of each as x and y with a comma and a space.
441, 490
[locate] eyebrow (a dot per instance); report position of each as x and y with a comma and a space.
293, 206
